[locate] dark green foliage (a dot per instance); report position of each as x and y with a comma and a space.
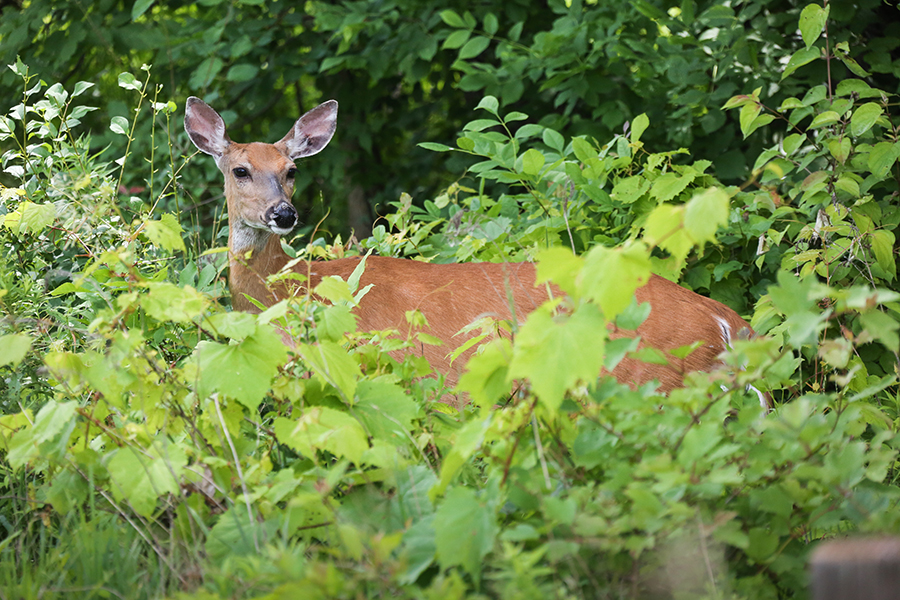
155, 444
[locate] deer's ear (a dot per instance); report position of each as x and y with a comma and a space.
312, 131
205, 127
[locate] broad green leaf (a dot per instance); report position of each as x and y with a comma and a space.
749, 112
456, 39
473, 47
385, 410
792, 143
334, 289
331, 362
242, 371
119, 125
796, 299
799, 58
323, 428
883, 327
242, 72
882, 157
829, 117
583, 149
705, 213
864, 117
486, 376
532, 162
465, 527
30, 217
611, 276
561, 266
235, 325
490, 104
168, 302
13, 348
142, 477
129, 82
543, 351
812, 22
669, 185
335, 322
491, 24
883, 247
553, 139
452, 19
165, 232
630, 189
638, 127
139, 8
840, 149
665, 228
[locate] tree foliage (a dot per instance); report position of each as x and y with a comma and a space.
156, 444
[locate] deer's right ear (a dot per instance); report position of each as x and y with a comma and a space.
205, 127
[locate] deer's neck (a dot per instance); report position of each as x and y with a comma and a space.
254, 255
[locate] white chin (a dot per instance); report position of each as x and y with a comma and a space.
280, 231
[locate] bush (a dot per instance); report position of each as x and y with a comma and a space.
156, 443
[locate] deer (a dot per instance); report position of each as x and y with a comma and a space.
259, 181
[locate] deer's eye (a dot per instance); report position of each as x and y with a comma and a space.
240, 172
292, 172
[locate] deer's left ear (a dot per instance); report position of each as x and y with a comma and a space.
312, 131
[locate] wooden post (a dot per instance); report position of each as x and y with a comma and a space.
864, 568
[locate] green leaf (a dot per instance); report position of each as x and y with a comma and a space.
829, 117
242, 371
668, 186
553, 139
883, 247
543, 353
532, 161
435, 147
490, 104
630, 189
864, 118
129, 82
491, 25
323, 428
242, 72
474, 47
882, 157
142, 477
13, 348
334, 289
812, 22
165, 233
638, 127
705, 213
30, 217
452, 19
331, 362
139, 8
456, 39
583, 149
169, 302
385, 410
611, 276
465, 528
749, 112
799, 58
119, 125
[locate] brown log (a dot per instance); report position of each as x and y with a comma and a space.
863, 568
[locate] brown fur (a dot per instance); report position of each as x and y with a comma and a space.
450, 296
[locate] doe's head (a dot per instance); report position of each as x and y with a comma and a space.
259, 177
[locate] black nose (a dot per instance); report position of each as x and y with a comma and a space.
282, 215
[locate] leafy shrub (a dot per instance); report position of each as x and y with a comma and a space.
143, 420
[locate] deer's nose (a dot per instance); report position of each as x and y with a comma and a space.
282, 216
